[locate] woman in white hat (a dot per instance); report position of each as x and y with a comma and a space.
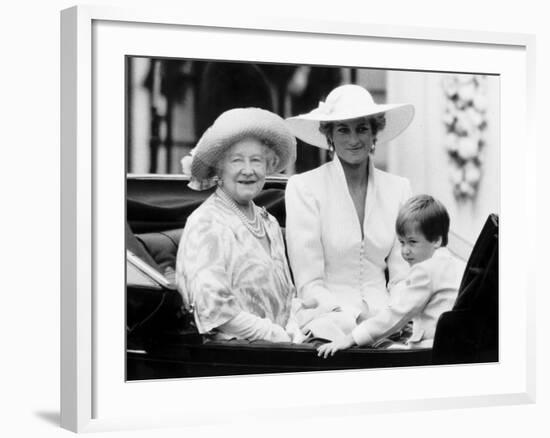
231, 267
340, 225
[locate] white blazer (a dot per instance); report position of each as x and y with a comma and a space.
429, 290
328, 258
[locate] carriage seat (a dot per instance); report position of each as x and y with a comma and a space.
162, 246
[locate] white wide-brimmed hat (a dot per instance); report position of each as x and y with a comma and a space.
233, 126
350, 102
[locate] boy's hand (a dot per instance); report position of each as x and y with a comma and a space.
338, 344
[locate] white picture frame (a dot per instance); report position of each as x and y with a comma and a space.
93, 397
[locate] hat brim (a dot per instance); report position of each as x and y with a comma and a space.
306, 126
236, 125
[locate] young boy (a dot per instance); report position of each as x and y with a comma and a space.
430, 287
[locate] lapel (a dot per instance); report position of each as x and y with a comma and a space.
371, 195
342, 187
347, 213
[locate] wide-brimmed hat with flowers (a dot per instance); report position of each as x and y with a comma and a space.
233, 126
348, 102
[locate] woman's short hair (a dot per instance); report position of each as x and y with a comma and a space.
376, 122
272, 159
427, 215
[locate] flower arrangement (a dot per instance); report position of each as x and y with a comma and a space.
465, 122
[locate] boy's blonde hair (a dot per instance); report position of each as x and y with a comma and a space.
425, 214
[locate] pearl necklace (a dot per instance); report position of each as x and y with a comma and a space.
254, 225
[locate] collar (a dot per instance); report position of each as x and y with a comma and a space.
371, 181
441, 252
371, 186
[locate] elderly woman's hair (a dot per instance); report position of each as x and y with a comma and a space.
272, 159
425, 214
376, 122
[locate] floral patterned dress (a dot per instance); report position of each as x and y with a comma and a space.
222, 269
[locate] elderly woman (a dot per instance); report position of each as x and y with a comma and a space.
231, 267
341, 216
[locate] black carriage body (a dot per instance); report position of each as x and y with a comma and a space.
162, 341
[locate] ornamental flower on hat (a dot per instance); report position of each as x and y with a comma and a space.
465, 124
325, 108
186, 162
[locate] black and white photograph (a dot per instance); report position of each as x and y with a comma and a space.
288, 218
275, 219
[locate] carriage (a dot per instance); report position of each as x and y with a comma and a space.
162, 340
